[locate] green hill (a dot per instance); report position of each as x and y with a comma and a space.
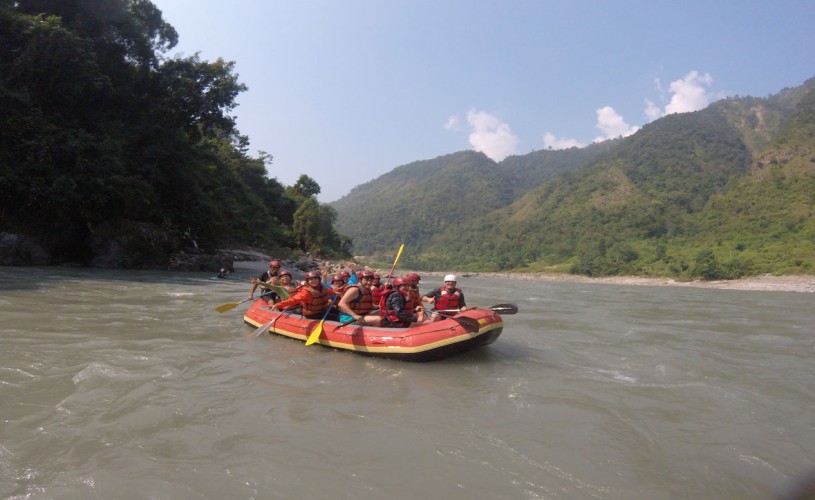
719, 193
417, 201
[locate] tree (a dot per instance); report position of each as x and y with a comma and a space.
307, 225
104, 143
306, 186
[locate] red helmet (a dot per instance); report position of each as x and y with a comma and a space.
274, 263
366, 274
313, 274
284, 273
413, 277
345, 273
337, 277
399, 281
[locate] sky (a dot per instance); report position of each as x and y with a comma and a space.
345, 91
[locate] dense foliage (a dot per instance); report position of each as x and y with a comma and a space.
719, 193
108, 146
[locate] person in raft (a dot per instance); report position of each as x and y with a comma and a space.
414, 294
286, 282
448, 297
311, 299
399, 309
269, 276
357, 302
337, 286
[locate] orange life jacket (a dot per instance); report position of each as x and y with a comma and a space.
319, 301
364, 303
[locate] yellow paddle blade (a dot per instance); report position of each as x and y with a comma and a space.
315, 334
227, 307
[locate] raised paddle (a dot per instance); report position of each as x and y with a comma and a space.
282, 292
232, 305
312, 338
500, 308
390, 274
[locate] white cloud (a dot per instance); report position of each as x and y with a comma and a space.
689, 93
652, 111
550, 141
491, 136
452, 123
612, 125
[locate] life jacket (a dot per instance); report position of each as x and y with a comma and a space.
415, 296
364, 302
447, 300
390, 314
378, 294
319, 301
339, 291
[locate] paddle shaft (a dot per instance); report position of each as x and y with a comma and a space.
500, 308
390, 274
346, 323
265, 328
232, 305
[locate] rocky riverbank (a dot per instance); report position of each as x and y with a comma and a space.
766, 282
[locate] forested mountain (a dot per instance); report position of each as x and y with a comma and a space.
112, 154
719, 193
417, 201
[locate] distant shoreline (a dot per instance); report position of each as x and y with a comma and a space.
767, 282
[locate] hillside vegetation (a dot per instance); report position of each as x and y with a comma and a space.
724, 192
112, 154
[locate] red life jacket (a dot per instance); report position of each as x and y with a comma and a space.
447, 300
390, 314
319, 301
364, 302
380, 295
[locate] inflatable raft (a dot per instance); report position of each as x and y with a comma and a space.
430, 341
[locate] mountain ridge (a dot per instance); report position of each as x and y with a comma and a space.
637, 205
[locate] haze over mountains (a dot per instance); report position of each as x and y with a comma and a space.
722, 192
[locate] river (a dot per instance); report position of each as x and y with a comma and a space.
121, 384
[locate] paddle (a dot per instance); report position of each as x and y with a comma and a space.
346, 323
469, 324
265, 328
390, 274
232, 305
500, 308
312, 338
282, 292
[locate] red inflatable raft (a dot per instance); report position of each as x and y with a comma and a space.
425, 342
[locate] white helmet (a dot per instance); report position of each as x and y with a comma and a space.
450, 277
